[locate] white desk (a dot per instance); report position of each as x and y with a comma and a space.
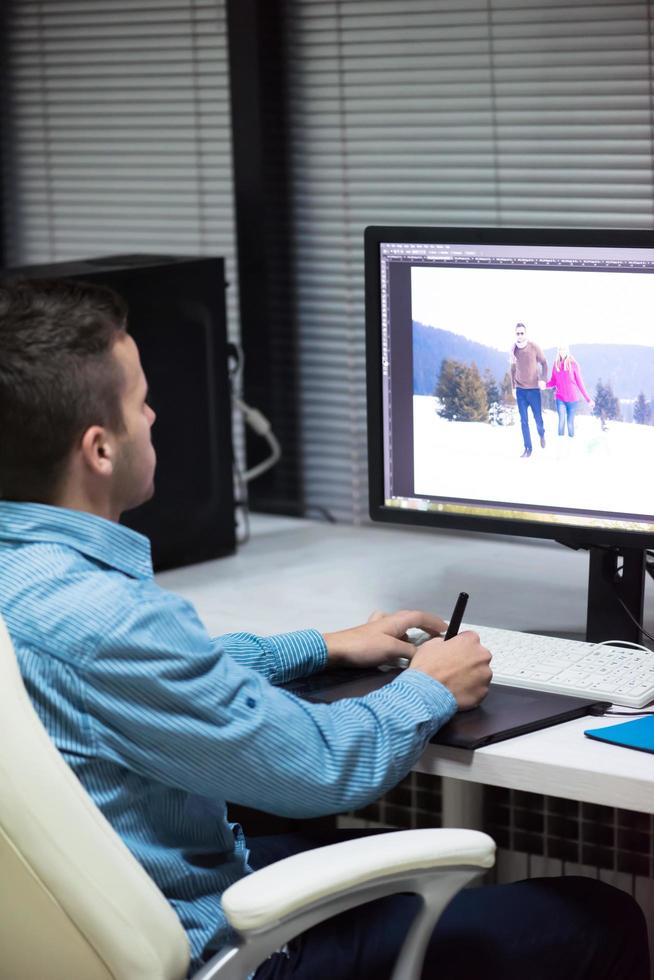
295, 574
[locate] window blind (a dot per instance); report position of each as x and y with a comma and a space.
119, 131
119, 134
451, 112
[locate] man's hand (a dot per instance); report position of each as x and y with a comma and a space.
542, 385
462, 665
381, 640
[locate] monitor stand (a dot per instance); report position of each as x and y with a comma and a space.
614, 574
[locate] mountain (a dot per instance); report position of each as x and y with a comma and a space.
629, 367
431, 346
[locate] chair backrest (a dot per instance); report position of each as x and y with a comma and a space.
74, 902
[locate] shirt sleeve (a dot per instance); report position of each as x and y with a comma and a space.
279, 658
167, 702
542, 360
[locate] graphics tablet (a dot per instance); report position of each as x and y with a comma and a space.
504, 712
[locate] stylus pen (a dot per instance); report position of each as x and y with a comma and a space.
457, 615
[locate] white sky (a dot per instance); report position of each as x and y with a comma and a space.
557, 307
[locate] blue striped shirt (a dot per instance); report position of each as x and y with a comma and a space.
162, 724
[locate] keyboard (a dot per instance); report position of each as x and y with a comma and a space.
621, 675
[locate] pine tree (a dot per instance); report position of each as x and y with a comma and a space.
476, 400
446, 389
642, 410
508, 398
607, 405
502, 412
493, 398
492, 391
461, 393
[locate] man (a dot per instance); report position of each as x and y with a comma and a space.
528, 377
163, 724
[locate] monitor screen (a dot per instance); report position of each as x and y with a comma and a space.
511, 380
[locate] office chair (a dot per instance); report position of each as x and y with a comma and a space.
75, 904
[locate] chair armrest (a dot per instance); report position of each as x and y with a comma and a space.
276, 892
271, 906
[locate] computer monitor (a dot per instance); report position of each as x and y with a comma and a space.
510, 382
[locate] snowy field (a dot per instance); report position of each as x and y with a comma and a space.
595, 470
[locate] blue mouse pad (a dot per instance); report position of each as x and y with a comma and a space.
636, 734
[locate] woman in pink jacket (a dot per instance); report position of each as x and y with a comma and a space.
566, 380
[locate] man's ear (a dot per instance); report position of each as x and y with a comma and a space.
97, 450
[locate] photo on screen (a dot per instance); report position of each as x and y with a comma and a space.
593, 334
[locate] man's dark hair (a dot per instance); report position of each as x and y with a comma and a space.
57, 378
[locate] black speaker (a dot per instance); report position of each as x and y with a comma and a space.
177, 318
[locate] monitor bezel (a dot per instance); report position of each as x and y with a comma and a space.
374, 235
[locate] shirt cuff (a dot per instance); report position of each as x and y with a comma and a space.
438, 699
297, 654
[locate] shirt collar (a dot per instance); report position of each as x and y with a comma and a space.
105, 541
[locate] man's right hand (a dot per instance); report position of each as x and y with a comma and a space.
462, 664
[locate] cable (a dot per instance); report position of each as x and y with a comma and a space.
253, 417
626, 714
323, 511
626, 608
260, 424
622, 643
634, 620
235, 360
241, 502
624, 605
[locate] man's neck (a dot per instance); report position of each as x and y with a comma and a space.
78, 498
80, 490
86, 506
